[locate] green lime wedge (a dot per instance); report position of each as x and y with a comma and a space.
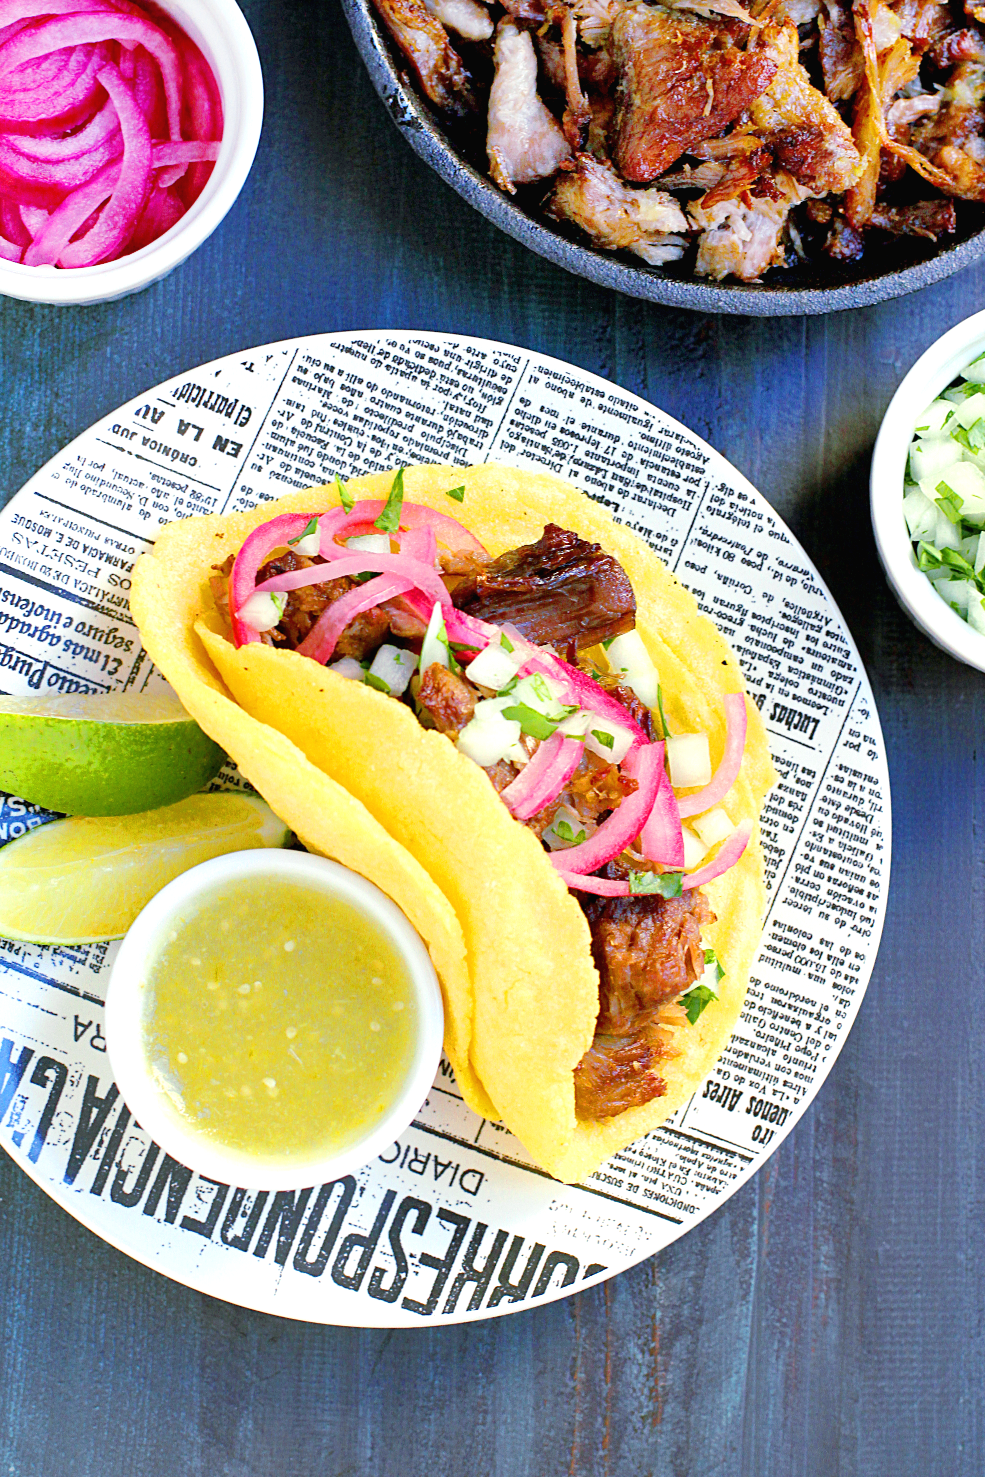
86, 878
103, 755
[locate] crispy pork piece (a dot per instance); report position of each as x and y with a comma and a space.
466, 17
448, 698
424, 42
619, 1072
922, 21
739, 175
806, 133
844, 243
744, 237
681, 80
647, 950
524, 141
897, 67
839, 53
966, 45
649, 222
557, 592
929, 218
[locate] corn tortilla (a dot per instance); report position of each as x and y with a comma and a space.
533, 988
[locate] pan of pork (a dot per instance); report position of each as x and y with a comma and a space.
769, 157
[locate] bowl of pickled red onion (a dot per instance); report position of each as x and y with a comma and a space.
127, 130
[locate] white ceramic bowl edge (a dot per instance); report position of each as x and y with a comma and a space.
932, 373
220, 30
127, 998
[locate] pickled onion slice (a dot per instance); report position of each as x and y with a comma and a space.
322, 639
578, 688
115, 225
544, 778
726, 857
418, 575
602, 886
338, 525
725, 776
243, 575
661, 839
624, 824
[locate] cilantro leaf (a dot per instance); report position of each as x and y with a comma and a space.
695, 1001
373, 681
711, 959
505, 641
664, 884
949, 502
531, 722
345, 496
663, 715
564, 830
607, 740
309, 529
389, 519
458, 493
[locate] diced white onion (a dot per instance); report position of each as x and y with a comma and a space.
565, 813
920, 514
629, 657
930, 460
577, 725
539, 693
309, 546
434, 647
695, 850
370, 543
931, 423
491, 708
486, 740
968, 481
712, 979
608, 740
690, 760
713, 826
974, 371
395, 667
493, 667
517, 755
971, 410
976, 612
263, 612
347, 666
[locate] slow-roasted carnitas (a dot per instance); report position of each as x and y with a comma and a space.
481, 678
732, 138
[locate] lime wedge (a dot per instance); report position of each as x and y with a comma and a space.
86, 878
110, 754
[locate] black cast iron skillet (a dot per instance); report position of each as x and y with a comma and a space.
889, 268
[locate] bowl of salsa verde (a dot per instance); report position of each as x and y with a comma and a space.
273, 1020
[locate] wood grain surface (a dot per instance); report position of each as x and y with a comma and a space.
829, 1320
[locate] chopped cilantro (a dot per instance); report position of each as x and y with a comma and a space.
608, 643
695, 1001
345, 496
711, 959
663, 715
531, 722
962, 437
541, 688
310, 528
458, 493
389, 519
373, 681
607, 740
949, 502
505, 641
564, 831
665, 884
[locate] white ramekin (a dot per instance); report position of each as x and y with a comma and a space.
931, 374
219, 29
128, 999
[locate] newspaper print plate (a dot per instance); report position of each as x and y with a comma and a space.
452, 1223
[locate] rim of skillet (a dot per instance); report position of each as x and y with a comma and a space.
421, 131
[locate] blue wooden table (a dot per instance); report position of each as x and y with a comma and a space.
830, 1320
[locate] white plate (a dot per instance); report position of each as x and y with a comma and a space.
452, 1223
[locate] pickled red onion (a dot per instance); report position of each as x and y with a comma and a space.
323, 637
725, 776
544, 778
624, 824
726, 856
418, 575
117, 221
337, 524
661, 839
602, 886
243, 575
578, 688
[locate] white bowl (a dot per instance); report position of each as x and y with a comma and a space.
928, 378
219, 29
128, 998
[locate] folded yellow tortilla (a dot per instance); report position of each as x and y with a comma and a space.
359, 779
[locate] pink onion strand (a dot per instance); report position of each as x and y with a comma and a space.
543, 779
725, 776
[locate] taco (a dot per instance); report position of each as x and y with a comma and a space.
480, 670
